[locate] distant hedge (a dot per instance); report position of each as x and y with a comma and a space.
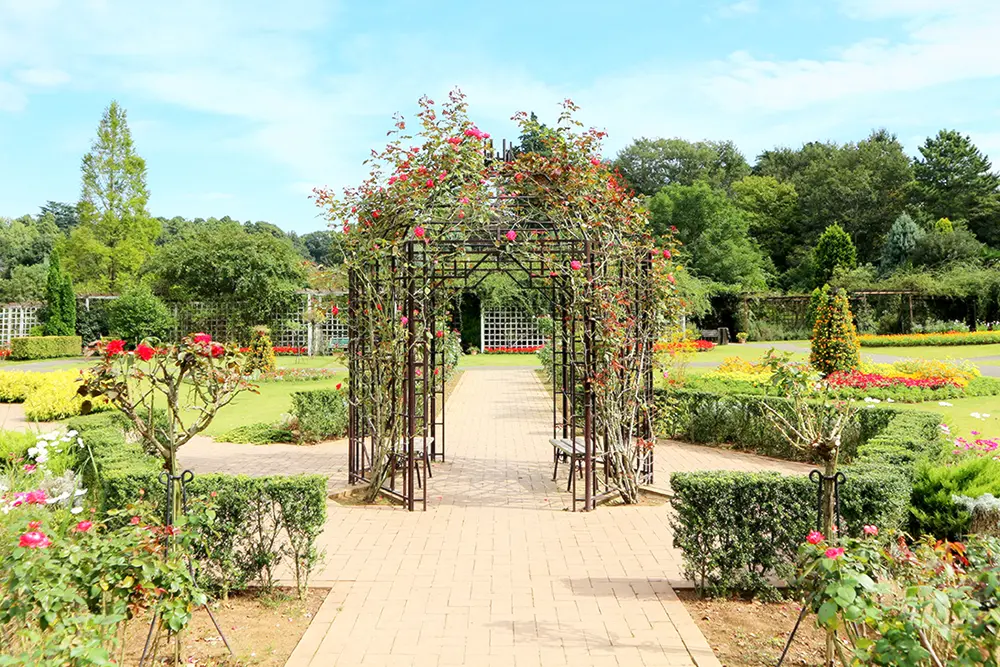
45, 347
320, 413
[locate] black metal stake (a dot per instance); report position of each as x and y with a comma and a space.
821, 480
168, 514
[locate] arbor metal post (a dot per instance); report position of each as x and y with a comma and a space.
588, 383
411, 367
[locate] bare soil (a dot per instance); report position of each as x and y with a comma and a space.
752, 634
262, 630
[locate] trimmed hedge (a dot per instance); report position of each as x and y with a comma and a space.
260, 522
739, 420
950, 338
45, 347
738, 530
321, 414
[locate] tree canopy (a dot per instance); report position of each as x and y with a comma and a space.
651, 164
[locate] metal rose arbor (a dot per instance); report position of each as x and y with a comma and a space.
439, 212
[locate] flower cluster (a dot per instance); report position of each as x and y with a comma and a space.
529, 349
298, 374
4, 352
979, 446
684, 346
282, 350
859, 380
949, 338
55, 441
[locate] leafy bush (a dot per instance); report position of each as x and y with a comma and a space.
54, 396
260, 353
45, 347
260, 520
320, 414
736, 530
939, 326
139, 314
909, 340
935, 510
14, 447
834, 339
16, 385
260, 433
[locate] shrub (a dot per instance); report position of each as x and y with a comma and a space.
260, 520
320, 414
834, 339
938, 326
935, 510
14, 447
736, 530
139, 314
260, 354
834, 250
260, 433
909, 340
16, 385
54, 396
45, 347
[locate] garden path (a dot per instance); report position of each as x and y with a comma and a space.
496, 572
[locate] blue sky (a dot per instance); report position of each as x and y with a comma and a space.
241, 107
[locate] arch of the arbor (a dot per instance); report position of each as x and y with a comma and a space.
602, 371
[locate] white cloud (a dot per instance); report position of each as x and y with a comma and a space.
738, 9
42, 77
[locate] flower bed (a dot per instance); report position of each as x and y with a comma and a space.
860, 380
282, 351
684, 346
4, 352
531, 349
950, 338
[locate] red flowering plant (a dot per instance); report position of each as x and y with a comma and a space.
70, 585
191, 380
930, 603
431, 189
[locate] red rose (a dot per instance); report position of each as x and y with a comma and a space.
202, 338
83, 526
144, 352
217, 349
115, 347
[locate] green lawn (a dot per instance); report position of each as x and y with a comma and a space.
749, 352
483, 360
65, 362
958, 415
274, 400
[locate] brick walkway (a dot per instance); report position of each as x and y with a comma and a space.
496, 572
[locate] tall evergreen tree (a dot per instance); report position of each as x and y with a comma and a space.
834, 249
116, 233
903, 238
954, 180
60, 303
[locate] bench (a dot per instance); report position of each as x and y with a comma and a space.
400, 456
719, 336
568, 449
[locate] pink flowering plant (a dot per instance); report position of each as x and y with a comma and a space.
71, 583
891, 603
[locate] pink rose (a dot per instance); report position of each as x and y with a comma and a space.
83, 526
135, 521
404, 320
815, 537
666, 254
202, 338
575, 265
35, 497
34, 540
871, 530
511, 235
419, 232
835, 552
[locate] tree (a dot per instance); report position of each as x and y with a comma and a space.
771, 208
59, 315
116, 233
954, 180
947, 245
650, 164
255, 273
714, 234
25, 284
322, 249
902, 239
532, 139
139, 314
26, 241
862, 187
64, 215
834, 250
835, 344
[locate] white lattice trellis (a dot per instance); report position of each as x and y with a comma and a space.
510, 330
16, 321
